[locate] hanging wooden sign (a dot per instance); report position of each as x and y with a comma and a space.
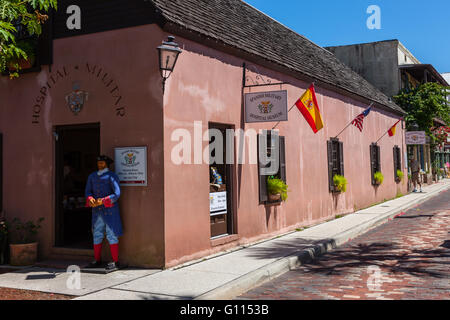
270, 106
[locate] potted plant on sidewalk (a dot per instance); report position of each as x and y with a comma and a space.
340, 183
277, 189
23, 246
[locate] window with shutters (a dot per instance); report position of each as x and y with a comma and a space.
397, 162
375, 162
271, 160
335, 150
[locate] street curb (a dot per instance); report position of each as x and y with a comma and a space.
266, 273
274, 269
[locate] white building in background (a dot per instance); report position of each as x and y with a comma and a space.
446, 76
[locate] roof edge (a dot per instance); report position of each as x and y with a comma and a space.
362, 43
222, 46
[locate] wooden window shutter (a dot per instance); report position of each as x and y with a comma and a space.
397, 165
341, 158
372, 163
378, 157
282, 159
399, 159
395, 162
262, 179
330, 165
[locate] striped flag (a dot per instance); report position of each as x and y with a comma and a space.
391, 131
308, 106
359, 120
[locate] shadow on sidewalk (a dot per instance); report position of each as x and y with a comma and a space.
283, 248
150, 297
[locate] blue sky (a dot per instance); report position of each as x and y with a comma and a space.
422, 26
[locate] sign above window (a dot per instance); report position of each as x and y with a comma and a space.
268, 106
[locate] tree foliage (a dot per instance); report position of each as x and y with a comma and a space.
423, 105
30, 15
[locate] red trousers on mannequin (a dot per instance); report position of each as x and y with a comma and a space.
114, 252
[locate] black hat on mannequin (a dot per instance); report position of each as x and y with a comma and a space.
107, 159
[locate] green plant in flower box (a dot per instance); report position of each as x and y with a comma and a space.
400, 175
277, 186
340, 182
378, 177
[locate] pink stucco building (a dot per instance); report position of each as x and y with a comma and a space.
48, 149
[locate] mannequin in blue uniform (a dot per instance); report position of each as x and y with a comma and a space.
102, 194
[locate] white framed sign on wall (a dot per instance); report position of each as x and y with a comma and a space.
131, 166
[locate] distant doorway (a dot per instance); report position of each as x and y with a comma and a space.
76, 150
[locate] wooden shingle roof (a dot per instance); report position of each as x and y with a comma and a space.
236, 24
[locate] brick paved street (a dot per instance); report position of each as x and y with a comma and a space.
406, 258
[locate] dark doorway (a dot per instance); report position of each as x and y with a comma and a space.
221, 184
76, 150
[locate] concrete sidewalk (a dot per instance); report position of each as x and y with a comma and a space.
226, 275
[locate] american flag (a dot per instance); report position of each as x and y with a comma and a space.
358, 122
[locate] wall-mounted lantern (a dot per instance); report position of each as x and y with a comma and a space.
168, 55
413, 127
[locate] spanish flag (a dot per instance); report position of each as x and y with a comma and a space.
308, 106
392, 130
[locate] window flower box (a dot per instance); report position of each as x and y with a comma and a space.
399, 176
277, 190
340, 183
378, 178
